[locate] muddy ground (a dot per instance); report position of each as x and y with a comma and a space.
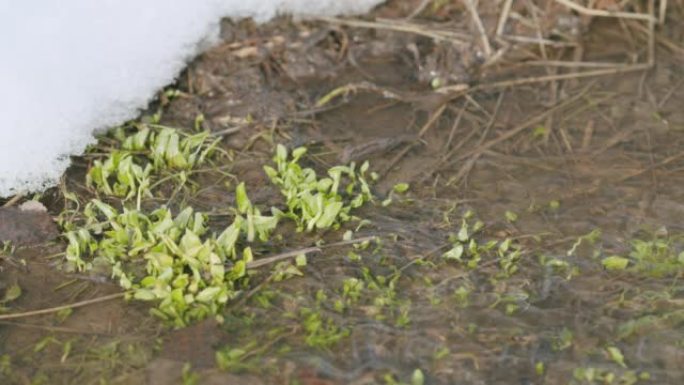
543, 162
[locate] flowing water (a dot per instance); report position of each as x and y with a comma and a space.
598, 176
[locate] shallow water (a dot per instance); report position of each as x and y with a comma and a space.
611, 162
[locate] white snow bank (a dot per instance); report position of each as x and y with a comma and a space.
71, 67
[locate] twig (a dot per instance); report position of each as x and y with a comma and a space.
454, 127
503, 17
492, 118
522, 126
433, 118
662, 11
465, 169
460, 144
290, 254
541, 79
588, 133
466, 273
62, 307
251, 265
471, 162
55, 329
449, 152
574, 64
599, 12
420, 8
651, 34
660, 39
13, 200
619, 137
550, 71
396, 159
279, 257
355, 87
669, 94
228, 131
480, 27
585, 74
440, 35
534, 40
652, 167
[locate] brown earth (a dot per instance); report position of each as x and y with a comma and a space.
567, 154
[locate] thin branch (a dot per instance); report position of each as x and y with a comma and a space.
651, 34
603, 13
291, 254
420, 8
392, 25
534, 40
54, 329
465, 169
13, 200
574, 64
251, 265
279, 257
430, 122
522, 126
62, 307
662, 11
541, 79
503, 17
480, 27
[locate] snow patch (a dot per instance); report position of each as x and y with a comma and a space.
70, 68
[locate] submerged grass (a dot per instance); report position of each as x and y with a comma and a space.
175, 261
656, 257
464, 301
189, 271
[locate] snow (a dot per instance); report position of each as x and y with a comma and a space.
68, 69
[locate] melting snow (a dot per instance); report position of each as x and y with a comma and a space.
70, 68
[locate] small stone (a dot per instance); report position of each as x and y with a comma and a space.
26, 227
34, 206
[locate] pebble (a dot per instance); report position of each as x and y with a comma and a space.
28, 225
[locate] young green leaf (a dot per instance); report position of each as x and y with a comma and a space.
11, 293
400, 187
615, 263
242, 200
417, 378
616, 355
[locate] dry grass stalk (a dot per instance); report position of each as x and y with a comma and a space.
401, 26
603, 13
480, 27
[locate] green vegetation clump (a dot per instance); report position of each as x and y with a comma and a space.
174, 260
159, 257
657, 258
466, 249
317, 203
126, 172
591, 375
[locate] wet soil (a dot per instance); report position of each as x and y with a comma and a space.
606, 154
